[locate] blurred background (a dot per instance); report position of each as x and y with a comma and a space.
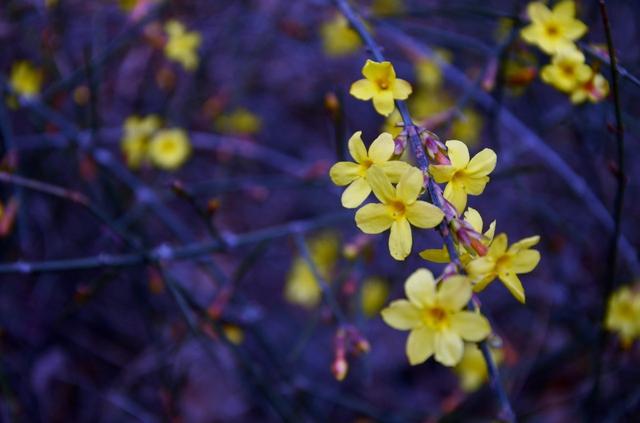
165, 187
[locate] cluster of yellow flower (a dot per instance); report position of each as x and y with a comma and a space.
623, 314
145, 139
555, 32
434, 310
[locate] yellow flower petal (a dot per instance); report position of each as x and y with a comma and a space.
474, 219
524, 243
574, 29
401, 89
410, 185
454, 292
482, 163
380, 185
420, 288
538, 12
448, 347
383, 102
566, 9
355, 193
394, 169
343, 173
378, 71
400, 239
442, 173
513, 284
402, 315
363, 89
458, 153
470, 326
498, 246
373, 218
424, 215
454, 192
525, 261
435, 255
475, 186
420, 345
356, 147
381, 148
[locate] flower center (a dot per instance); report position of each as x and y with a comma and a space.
397, 209
383, 84
503, 263
567, 70
552, 30
436, 318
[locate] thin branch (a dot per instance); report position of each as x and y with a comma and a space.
612, 258
423, 163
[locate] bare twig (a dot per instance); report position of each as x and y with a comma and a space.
423, 163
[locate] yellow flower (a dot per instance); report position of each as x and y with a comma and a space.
233, 333
399, 208
436, 318
387, 7
623, 315
467, 127
381, 85
567, 70
355, 174
338, 38
182, 45
373, 295
429, 74
137, 133
464, 176
169, 148
474, 219
301, 287
505, 264
128, 5
553, 30
391, 124
239, 122
594, 88
25, 79
472, 369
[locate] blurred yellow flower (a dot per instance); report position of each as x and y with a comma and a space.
553, 30
338, 38
355, 174
471, 216
399, 208
429, 74
301, 287
169, 148
373, 295
436, 318
464, 176
239, 122
505, 264
25, 79
623, 315
472, 369
467, 127
594, 88
137, 133
567, 70
233, 333
182, 45
127, 5
387, 7
381, 85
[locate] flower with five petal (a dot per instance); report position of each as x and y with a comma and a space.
505, 264
623, 315
381, 85
399, 208
436, 318
464, 176
567, 70
182, 45
553, 30
355, 174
